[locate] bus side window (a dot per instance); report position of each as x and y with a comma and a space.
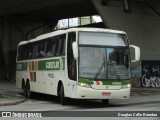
19, 53
35, 51
56, 46
49, 52
53, 47
29, 51
59, 46
62, 41
24, 49
71, 62
64, 45
41, 50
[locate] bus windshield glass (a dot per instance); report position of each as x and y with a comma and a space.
101, 62
102, 38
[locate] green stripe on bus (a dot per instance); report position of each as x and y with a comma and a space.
104, 82
21, 66
110, 82
85, 80
52, 64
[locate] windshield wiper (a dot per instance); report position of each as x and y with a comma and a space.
97, 74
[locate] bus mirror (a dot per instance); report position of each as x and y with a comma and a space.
75, 50
135, 53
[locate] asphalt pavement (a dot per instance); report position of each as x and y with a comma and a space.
10, 95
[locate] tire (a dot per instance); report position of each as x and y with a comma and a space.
105, 101
62, 97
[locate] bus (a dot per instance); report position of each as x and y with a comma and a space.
78, 63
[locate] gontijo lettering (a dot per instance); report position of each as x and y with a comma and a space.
51, 65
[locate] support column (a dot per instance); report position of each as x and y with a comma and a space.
14, 31
2, 58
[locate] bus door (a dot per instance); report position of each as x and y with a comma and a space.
71, 65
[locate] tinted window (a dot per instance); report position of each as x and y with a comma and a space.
71, 62
60, 49
50, 44
54, 46
35, 51
21, 52
29, 50
42, 49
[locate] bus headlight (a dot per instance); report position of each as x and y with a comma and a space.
84, 85
126, 86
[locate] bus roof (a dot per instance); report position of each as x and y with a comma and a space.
58, 32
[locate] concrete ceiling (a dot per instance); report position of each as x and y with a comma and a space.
52, 9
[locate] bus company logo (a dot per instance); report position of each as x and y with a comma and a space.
52, 65
116, 83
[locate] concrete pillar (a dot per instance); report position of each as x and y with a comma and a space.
142, 24
13, 29
2, 59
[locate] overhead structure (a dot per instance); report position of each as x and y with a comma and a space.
26, 19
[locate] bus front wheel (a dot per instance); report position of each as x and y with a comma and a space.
62, 97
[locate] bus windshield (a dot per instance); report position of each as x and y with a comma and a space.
106, 56
104, 63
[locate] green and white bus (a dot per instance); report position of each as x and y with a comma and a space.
78, 63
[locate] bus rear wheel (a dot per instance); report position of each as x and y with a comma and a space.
105, 101
62, 97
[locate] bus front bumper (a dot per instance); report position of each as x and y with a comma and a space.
89, 93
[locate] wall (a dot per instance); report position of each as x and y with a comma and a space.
141, 24
2, 60
151, 73
13, 29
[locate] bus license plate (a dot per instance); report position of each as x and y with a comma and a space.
106, 93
